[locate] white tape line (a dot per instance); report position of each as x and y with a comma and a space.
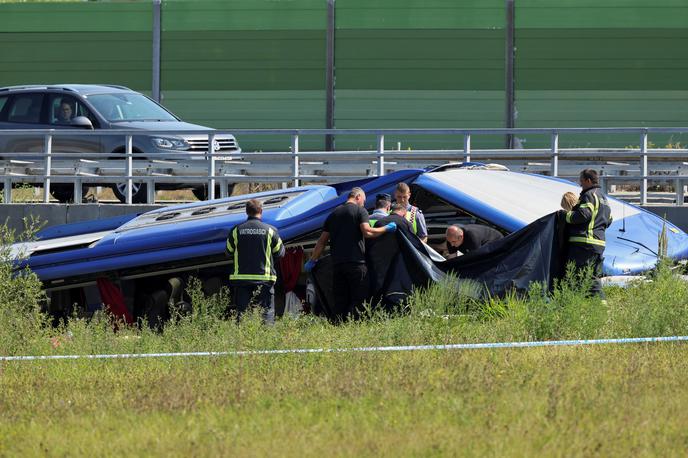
467, 346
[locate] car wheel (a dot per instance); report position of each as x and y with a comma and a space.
201, 192
64, 193
138, 192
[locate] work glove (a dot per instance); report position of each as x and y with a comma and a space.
309, 265
391, 227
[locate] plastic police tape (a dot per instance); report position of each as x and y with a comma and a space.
466, 346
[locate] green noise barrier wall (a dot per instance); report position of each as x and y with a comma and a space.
586, 63
397, 63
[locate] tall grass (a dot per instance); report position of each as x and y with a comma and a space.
22, 324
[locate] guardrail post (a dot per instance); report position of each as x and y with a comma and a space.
150, 191
128, 169
223, 188
554, 166
7, 191
295, 154
380, 155
211, 166
678, 188
467, 148
48, 150
78, 197
643, 168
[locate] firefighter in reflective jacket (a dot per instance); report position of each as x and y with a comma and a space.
585, 227
252, 244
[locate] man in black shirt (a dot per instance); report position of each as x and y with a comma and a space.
398, 217
252, 244
469, 238
345, 228
388, 244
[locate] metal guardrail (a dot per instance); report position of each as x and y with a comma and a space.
639, 165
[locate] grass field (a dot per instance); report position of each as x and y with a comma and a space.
616, 401
575, 401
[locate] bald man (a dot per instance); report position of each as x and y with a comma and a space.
469, 238
346, 228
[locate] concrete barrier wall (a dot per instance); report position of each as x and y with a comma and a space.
55, 214
677, 215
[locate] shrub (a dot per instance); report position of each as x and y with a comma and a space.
21, 295
653, 307
451, 296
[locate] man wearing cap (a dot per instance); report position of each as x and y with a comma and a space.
397, 215
393, 213
383, 202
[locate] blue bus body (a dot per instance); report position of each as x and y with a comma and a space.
191, 234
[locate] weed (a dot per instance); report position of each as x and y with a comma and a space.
21, 295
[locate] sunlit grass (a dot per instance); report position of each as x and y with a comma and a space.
555, 401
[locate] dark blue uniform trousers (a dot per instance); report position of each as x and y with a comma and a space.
260, 294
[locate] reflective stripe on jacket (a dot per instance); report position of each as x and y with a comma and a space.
588, 220
252, 245
411, 217
376, 216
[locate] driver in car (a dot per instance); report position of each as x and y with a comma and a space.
65, 113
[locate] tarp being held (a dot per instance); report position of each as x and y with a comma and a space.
397, 263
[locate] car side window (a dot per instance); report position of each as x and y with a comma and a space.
3, 107
81, 110
25, 108
64, 108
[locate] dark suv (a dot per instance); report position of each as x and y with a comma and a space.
100, 107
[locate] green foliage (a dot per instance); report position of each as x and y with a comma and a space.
449, 311
658, 306
21, 296
451, 296
565, 313
205, 309
569, 312
453, 310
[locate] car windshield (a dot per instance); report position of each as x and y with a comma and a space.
121, 107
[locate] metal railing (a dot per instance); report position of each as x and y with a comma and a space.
636, 165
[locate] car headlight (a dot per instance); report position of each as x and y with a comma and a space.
170, 143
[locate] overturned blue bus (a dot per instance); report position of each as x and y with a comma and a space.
149, 258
